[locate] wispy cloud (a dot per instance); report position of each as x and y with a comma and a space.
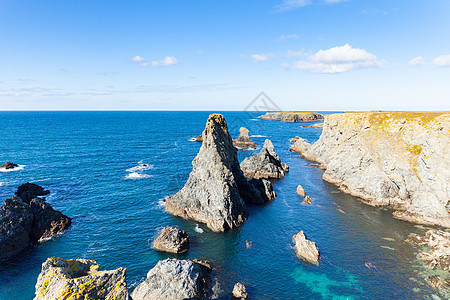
291, 53
287, 5
417, 61
140, 60
261, 57
338, 60
167, 61
287, 37
442, 61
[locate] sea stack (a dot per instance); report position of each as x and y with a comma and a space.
397, 159
265, 164
243, 141
79, 279
216, 189
305, 248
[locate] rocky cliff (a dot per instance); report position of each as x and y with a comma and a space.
216, 190
398, 159
292, 116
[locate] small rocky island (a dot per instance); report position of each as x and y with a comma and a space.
173, 240
79, 279
292, 116
305, 248
8, 166
265, 164
395, 159
243, 141
217, 190
26, 219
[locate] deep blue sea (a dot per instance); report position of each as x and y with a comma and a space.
90, 163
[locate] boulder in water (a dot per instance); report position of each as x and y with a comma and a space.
301, 191
172, 240
239, 292
8, 165
305, 248
30, 191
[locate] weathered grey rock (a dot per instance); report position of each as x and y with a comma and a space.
265, 164
400, 159
216, 189
439, 243
307, 200
316, 125
174, 279
243, 141
291, 116
300, 191
79, 279
306, 249
172, 239
239, 292
8, 165
265, 188
23, 224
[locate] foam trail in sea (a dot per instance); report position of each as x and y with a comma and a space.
198, 229
136, 175
19, 168
137, 172
258, 135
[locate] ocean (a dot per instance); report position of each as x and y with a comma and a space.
93, 165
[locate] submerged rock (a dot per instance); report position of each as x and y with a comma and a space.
265, 164
292, 116
216, 189
305, 248
24, 223
174, 279
439, 243
8, 165
300, 191
172, 240
79, 279
243, 141
239, 292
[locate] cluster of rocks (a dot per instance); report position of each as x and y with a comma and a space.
265, 164
26, 219
217, 191
291, 116
243, 141
8, 166
302, 193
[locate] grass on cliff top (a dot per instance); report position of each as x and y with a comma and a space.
384, 118
296, 112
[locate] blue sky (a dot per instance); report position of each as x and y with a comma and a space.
218, 55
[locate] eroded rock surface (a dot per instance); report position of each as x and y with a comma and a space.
399, 159
317, 125
239, 292
216, 191
243, 141
8, 165
291, 116
172, 239
301, 191
25, 223
265, 164
30, 191
305, 248
174, 279
439, 243
79, 279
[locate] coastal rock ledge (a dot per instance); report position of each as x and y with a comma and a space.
396, 159
79, 279
292, 116
217, 190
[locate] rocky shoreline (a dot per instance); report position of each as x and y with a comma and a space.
292, 117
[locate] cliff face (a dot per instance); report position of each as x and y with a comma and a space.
292, 116
401, 159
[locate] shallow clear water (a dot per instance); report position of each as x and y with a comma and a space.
88, 160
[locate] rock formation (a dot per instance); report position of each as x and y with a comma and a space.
216, 189
174, 279
291, 116
317, 125
172, 240
265, 164
307, 200
30, 191
79, 279
243, 141
300, 191
239, 292
8, 165
399, 159
295, 139
26, 221
198, 138
306, 249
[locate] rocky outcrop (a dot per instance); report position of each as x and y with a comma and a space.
305, 248
198, 138
300, 191
174, 279
79, 279
293, 140
243, 141
439, 243
216, 190
265, 164
292, 116
317, 125
172, 239
8, 165
239, 292
25, 222
307, 200
399, 159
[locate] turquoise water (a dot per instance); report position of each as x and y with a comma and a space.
89, 161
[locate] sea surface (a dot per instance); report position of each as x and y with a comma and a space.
93, 164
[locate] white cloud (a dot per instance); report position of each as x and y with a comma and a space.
167, 61
338, 60
417, 61
261, 57
140, 60
442, 61
286, 37
287, 5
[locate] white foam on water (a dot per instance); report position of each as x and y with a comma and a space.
19, 168
254, 119
139, 168
258, 135
136, 175
198, 229
1, 183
